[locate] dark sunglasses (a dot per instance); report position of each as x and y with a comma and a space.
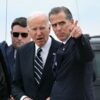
16, 34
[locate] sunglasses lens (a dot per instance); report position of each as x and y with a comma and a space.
24, 34
16, 34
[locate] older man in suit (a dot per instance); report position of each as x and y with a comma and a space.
74, 73
31, 82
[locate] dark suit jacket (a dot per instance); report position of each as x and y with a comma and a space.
74, 73
4, 79
8, 53
24, 82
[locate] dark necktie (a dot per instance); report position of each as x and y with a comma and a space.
38, 66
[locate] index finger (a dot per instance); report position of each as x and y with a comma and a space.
75, 23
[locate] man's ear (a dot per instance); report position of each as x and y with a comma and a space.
11, 33
49, 28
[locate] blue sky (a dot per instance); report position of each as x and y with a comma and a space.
86, 11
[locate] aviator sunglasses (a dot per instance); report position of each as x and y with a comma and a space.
16, 34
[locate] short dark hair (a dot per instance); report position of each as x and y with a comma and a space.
22, 21
57, 10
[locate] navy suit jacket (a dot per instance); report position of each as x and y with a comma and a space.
24, 82
74, 71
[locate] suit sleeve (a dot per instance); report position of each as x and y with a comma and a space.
84, 48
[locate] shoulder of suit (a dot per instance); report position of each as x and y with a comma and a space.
3, 44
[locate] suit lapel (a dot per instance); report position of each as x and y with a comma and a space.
66, 57
29, 66
28, 60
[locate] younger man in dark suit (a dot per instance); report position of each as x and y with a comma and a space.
19, 37
33, 73
74, 73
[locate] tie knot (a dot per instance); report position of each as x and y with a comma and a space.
39, 50
63, 46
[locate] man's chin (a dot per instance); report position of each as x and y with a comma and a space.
19, 45
40, 44
61, 39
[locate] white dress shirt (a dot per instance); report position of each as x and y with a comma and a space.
45, 50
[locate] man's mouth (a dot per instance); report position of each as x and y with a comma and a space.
40, 38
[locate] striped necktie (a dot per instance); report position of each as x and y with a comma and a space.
38, 66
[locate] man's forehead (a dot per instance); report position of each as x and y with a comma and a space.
38, 15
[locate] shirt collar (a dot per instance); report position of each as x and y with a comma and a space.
64, 42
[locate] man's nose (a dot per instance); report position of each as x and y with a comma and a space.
38, 32
19, 37
58, 27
